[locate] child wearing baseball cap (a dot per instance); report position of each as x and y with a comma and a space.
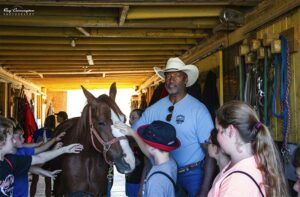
156, 140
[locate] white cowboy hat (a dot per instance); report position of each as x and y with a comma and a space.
175, 64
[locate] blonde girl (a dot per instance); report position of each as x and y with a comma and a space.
255, 168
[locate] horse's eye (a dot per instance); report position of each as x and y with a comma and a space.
102, 123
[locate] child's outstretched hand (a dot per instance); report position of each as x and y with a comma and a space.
58, 145
59, 137
52, 174
73, 148
124, 128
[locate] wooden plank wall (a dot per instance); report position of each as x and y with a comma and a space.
279, 26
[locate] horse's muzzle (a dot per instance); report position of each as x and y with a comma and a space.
122, 166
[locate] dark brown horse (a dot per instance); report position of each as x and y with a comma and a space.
103, 145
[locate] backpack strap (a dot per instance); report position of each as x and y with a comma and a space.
245, 173
163, 173
9, 163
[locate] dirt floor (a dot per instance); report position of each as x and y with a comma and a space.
118, 189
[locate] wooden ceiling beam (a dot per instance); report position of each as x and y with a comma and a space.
67, 69
58, 21
187, 23
83, 58
68, 21
75, 53
93, 41
59, 66
99, 62
103, 33
80, 80
77, 69
86, 73
154, 12
115, 76
94, 47
149, 33
120, 3
68, 11
87, 79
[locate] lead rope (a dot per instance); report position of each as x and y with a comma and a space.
265, 86
287, 99
285, 78
110, 177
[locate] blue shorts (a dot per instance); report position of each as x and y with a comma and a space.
132, 189
191, 180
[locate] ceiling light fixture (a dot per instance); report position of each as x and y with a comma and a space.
90, 59
82, 30
73, 43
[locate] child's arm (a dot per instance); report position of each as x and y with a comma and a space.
48, 155
40, 171
32, 145
129, 131
48, 144
57, 145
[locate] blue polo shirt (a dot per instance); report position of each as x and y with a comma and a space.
192, 122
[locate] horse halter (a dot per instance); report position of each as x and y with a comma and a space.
106, 145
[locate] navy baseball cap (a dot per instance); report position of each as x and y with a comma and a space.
160, 135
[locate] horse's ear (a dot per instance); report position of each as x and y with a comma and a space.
113, 91
90, 98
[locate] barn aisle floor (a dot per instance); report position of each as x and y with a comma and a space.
118, 189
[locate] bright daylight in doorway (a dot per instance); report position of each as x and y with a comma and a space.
76, 100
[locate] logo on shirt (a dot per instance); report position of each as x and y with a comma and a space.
180, 119
6, 186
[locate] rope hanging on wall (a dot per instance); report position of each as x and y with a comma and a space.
282, 83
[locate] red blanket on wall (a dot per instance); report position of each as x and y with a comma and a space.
29, 122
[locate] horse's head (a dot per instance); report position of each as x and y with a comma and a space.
102, 113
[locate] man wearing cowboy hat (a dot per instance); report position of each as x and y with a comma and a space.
192, 121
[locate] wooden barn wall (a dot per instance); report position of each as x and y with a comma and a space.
58, 99
3, 99
289, 22
10, 84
